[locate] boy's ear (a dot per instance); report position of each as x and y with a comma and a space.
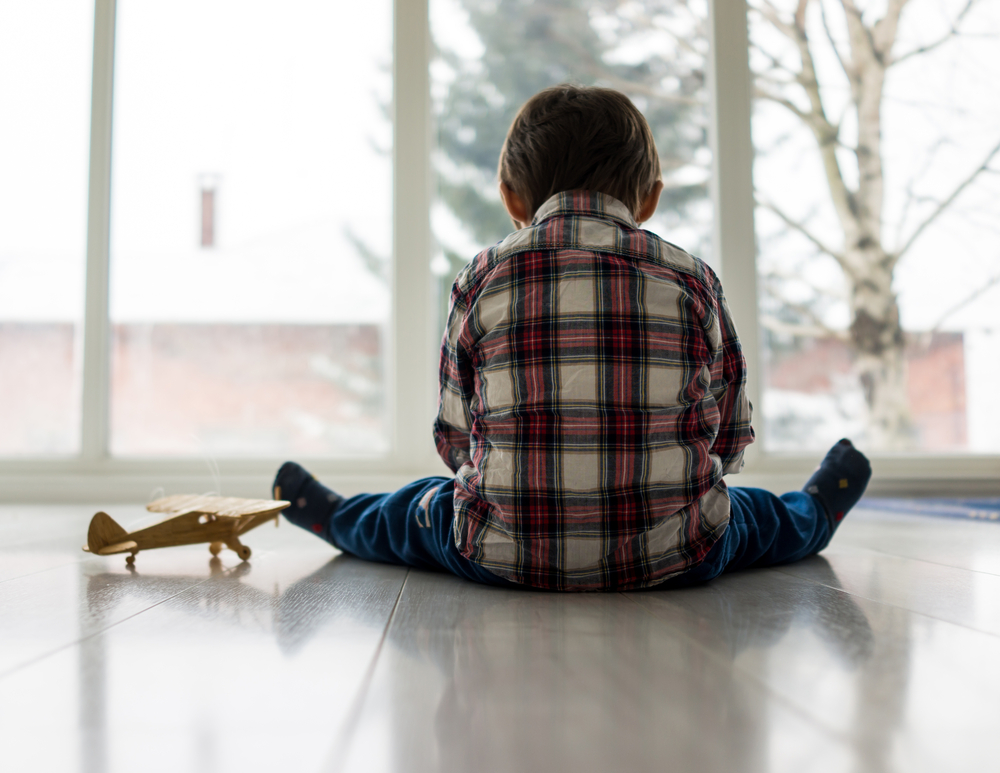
515, 206
650, 203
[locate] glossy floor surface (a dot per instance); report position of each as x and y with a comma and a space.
882, 654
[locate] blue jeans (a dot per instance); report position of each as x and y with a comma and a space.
764, 530
413, 527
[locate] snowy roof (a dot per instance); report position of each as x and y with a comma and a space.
311, 274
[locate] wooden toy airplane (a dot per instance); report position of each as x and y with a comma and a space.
195, 518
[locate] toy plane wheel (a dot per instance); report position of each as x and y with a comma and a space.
243, 552
130, 560
215, 548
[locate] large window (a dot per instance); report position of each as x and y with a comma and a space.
256, 265
251, 222
877, 210
45, 56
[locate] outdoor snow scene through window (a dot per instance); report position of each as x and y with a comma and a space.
493, 55
246, 318
43, 222
877, 139
220, 283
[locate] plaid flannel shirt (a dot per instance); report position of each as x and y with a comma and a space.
592, 396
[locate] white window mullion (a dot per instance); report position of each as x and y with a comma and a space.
413, 356
94, 431
732, 180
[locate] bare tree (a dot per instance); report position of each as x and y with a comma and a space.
865, 256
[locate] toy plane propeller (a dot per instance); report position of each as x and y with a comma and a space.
194, 518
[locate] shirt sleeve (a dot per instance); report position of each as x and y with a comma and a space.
455, 384
735, 410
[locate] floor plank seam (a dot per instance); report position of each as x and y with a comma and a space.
888, 604
101, 632
923, 560
338, 754
752, 678
43, 571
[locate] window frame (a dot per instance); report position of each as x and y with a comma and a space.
413, 341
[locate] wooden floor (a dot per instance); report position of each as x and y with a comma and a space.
882, 654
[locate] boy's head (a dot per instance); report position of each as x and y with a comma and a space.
575, 137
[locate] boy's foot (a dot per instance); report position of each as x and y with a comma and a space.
840, 481
312, 502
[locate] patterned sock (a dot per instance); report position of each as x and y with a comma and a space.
840, 480
312, 502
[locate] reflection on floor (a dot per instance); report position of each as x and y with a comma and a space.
882, 654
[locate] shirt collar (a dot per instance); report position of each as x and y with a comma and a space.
585, 203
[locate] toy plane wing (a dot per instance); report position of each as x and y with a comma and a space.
118, 547
225, 507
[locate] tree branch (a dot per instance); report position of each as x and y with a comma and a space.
911, 195
775, 275
683, 41
775, 325
377, 265
826, 134
947, 202
772, 15
940, 41
848, 71
857, 29
776, 63
771, 78
991, 282
633, 87
802, 309
802, 115
796, 226
601, 72
884, 31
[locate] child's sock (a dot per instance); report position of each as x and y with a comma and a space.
840, 480
312, 502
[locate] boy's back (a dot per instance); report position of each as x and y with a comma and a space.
591, 400
592, 393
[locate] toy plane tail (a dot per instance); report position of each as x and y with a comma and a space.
105, 536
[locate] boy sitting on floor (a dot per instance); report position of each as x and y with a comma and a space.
592, 393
